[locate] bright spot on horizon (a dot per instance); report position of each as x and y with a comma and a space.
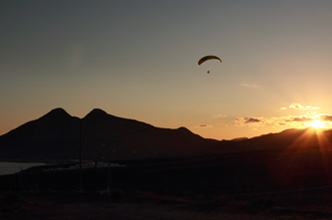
317, 124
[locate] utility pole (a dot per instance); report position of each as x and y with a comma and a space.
80, 158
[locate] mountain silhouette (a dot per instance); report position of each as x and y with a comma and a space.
54, 134
101, 136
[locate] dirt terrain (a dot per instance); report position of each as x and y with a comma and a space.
251, 185
119, 205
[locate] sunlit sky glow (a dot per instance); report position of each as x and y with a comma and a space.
138, 59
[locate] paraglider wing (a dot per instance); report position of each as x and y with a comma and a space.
210, 57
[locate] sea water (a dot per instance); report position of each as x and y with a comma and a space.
14, 167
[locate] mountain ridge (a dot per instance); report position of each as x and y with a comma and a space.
101, 136
57, 134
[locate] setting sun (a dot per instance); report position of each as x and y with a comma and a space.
317, 124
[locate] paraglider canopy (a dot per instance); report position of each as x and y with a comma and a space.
210, 57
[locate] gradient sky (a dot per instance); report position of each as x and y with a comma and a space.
138, 59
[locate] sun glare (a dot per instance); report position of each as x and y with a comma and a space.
317, 124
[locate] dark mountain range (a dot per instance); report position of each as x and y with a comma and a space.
58, 135
100, 136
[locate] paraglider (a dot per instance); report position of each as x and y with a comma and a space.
206, 58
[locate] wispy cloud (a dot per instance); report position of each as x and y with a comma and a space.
219, 116
325, 117
252, 120
303, 117
298, 106
291, 121
250, 86
203, 126
300, 119
248, 121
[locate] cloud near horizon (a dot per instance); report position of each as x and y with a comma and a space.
298, 106
203, 126
248, 121
290, 121
325, 117
252, 120
300, 119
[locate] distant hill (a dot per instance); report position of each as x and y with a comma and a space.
58, 136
